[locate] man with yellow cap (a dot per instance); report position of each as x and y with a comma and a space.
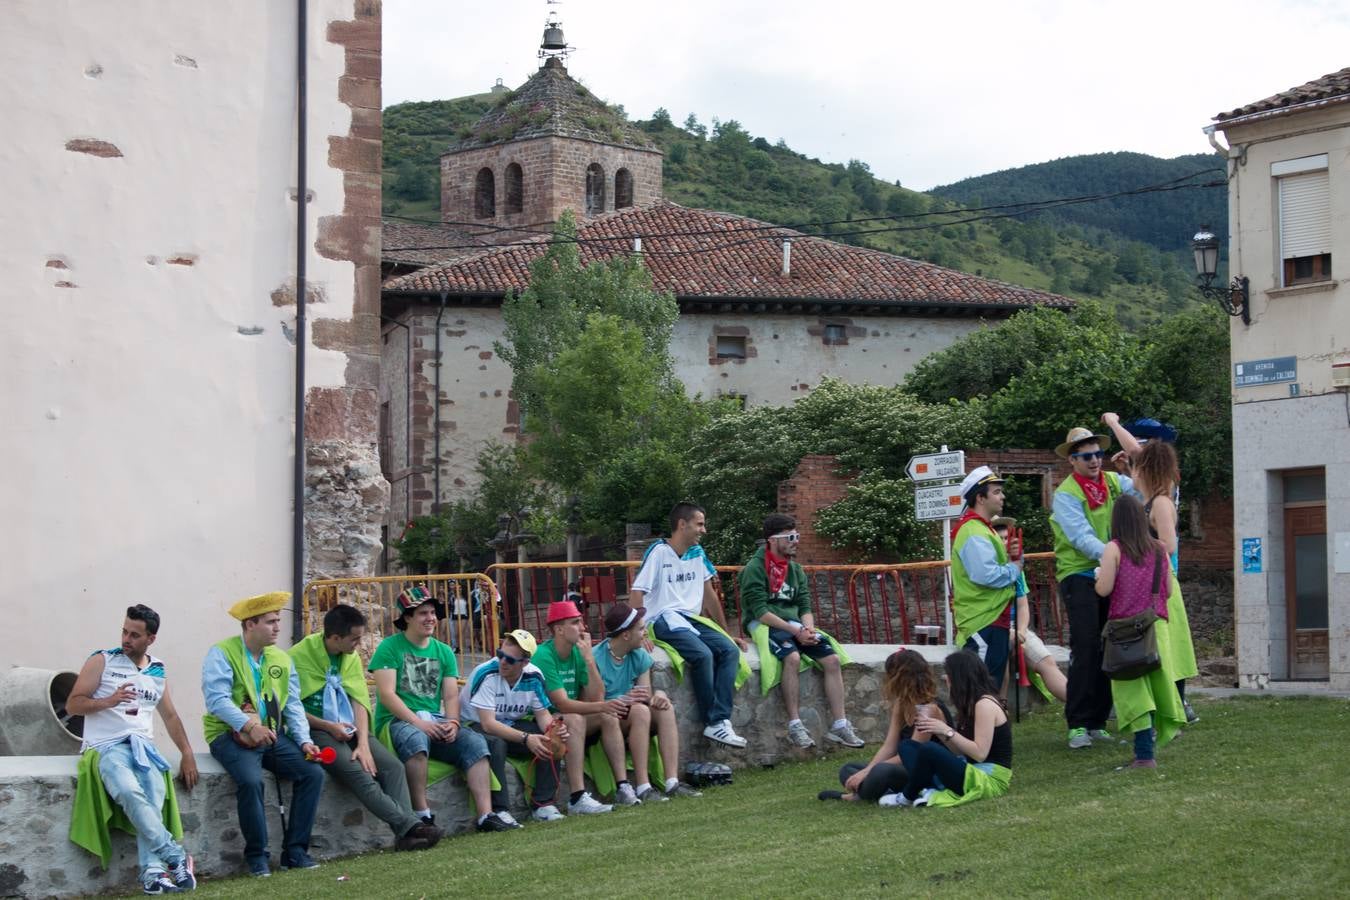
509, 706
254, 720
1081, 521
984, 573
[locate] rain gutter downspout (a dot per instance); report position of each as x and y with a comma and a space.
301, 189
436, 476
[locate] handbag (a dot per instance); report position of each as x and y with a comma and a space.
1130, 645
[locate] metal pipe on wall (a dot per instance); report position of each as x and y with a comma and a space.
301, 189
436, 404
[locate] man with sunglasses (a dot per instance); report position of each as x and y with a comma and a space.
776, 595
1081, 521
509, 706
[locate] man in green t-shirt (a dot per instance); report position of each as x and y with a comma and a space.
577, 691
776, 596
337, 705
415, 678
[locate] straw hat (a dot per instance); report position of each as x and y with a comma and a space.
1078, 436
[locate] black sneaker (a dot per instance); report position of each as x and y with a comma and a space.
429, 819
182, 876
830, 795
259, 869
683, 790
494, 822
299, 860
159, 883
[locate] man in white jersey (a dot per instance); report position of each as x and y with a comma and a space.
679, 599
117, 692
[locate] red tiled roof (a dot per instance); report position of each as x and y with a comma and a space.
1328, 87
696, 253
418, 244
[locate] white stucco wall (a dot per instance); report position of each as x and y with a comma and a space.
148, 442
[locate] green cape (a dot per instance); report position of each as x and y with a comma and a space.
677, 661
979, 785
771, 669
311, 665
95, 814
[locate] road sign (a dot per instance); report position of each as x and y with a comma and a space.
1265, 371
935, 466
939, 501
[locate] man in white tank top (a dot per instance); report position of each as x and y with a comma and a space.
117, 692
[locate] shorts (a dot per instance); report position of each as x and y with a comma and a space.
467, 748
1033, 649
990, 644
782, 645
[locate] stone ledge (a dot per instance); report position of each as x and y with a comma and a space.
36, 792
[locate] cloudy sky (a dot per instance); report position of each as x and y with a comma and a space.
925, 92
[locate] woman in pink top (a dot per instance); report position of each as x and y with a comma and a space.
1135, 574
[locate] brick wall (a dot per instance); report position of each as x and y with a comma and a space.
553, 174
815, 484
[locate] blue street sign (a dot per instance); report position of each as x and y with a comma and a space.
1265, 371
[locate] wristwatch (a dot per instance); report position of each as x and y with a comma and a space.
949, 735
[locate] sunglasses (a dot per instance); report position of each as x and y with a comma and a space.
511, 660
791, 537
1092, 454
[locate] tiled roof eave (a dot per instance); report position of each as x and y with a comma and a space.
1223, 122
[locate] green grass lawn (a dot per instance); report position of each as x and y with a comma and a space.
1246, 804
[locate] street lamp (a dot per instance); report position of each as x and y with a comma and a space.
1232, 299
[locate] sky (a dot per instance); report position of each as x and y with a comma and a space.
925, 93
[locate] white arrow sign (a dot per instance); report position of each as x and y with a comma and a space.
935, 466
939, 501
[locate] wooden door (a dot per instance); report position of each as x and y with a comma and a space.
1305, 591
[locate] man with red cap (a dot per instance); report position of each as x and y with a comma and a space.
576, 690
984, 573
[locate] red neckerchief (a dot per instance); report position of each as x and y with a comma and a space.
777, 570
966, 517
1095, 491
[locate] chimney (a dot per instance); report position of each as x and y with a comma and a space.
637, 244
787, 257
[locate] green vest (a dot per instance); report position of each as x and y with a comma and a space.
1069, 560
976, 605
276, 682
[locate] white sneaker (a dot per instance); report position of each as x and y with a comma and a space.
723, 734
924, 796
588, 806
845, 735
896, 799
548, 813
625, 796
507, 817
799, 736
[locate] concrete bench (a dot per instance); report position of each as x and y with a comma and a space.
36, 792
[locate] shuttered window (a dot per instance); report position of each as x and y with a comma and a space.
1305, 226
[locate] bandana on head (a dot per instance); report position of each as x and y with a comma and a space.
776, 568
1095, 491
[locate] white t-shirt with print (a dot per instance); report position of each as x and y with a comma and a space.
672, 587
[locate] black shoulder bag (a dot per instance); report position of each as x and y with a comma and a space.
1130, 646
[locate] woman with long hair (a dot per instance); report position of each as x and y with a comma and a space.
1134, 573
910, 688
1157, 475
950, 766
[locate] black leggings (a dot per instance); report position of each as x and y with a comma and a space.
928, 761
885, 778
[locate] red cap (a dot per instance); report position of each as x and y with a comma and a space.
562, 609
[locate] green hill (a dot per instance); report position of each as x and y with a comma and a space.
725, 168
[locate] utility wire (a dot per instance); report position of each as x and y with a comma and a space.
960, 216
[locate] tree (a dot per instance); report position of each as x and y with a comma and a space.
691, 125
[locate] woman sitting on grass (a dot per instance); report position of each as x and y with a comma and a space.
948, 767
1135, 574
911, 690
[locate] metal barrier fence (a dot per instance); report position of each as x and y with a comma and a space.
864, 604
473, 611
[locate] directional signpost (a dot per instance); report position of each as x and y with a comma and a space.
937, 497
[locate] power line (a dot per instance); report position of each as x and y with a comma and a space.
961, 216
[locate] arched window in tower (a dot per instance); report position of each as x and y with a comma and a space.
595, 189
623, 189
515, 189
485, 194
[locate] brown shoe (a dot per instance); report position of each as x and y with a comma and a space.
422, 836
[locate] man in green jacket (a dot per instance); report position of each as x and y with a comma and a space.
776, 595
1081, 521
337, 706
984, 573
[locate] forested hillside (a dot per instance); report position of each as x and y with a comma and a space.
720, 166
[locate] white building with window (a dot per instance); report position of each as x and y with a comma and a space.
1289, 218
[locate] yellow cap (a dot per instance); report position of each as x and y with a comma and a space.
524, 640
263, 603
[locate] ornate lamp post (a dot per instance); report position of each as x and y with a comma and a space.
1232, 299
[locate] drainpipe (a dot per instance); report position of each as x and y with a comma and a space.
298, 485
436, 479
407, 411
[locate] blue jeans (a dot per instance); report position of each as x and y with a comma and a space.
710, 663
284, 760
140, 793
467, 748
932, 765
